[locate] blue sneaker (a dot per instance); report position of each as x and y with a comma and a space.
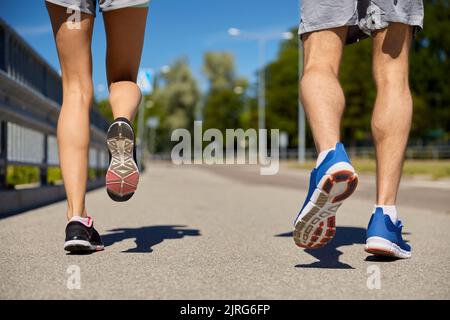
385, 238
329, 185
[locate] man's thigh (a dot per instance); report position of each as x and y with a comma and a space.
323, 29
324, 48
390, 52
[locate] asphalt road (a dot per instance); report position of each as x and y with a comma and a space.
224, 232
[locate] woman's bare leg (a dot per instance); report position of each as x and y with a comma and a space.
125, 30
74, 51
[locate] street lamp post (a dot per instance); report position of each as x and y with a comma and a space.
152, 124
261, 86
262, 39
301, 111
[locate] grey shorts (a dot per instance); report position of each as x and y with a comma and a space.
362, 16
88, 6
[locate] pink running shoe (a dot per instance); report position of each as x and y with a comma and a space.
122, 176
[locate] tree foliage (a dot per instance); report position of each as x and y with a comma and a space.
173, 103
282, 89
179, 96
224, 102
430, 70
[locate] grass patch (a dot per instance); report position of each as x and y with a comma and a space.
17, 175
435, 169
92, 174
20, 175
54, 175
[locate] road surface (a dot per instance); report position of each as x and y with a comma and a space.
224, 232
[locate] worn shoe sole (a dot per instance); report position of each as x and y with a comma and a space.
122, 176
81, 246
316, 224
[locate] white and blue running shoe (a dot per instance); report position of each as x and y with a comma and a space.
385, 238
333, 181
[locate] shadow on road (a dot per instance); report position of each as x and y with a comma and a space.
147, 237
374, 258
328, 256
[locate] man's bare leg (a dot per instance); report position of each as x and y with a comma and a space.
392, 114
334, 179
321, 93
391, 122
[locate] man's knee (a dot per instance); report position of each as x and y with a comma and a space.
390, 59
391, 76
317, 73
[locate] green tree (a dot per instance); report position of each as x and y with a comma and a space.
104, 108
225, 100
282, 90
173, 103
179, 96
430, 69
219, 68
356, 80
249, 116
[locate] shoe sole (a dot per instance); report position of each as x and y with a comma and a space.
122, 176
81, 246
316, 225
383, 247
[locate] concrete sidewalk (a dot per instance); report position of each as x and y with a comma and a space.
195, 232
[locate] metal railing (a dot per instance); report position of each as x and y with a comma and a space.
413, 152
30, 100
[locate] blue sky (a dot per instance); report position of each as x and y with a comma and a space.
175, 28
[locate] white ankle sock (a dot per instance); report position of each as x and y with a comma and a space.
322, 156
86, 221
391, 211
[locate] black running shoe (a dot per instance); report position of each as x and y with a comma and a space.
122, 176
82, 238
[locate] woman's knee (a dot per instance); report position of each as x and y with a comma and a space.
121, 75
79, 93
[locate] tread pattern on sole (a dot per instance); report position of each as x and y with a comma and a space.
317, 226
122, 176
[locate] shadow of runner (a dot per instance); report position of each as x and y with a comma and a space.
328, 256
147, 237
